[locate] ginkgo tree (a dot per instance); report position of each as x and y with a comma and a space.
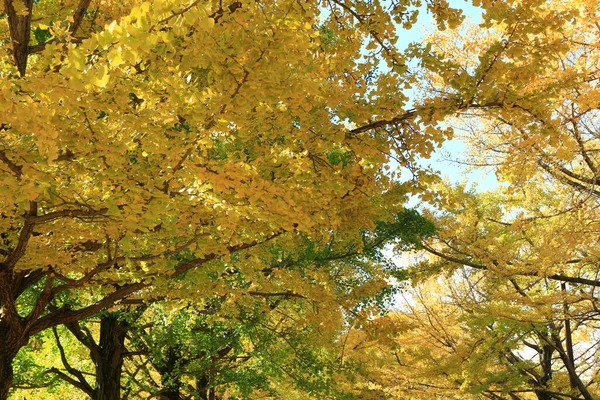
520, 283
528, 78
248, 339
504, 304
524, 85
134, 132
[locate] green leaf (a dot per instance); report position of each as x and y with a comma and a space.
42, 35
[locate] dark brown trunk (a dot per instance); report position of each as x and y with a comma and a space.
6, 372
20, 30
171, 393
543, 395
202, 387
170, 376
546, 362
12, 335
109, 360
568, 337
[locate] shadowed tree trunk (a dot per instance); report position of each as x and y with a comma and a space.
107, 356
109, 359
12, 336
545, 355
170, 376
7, 355
202, 387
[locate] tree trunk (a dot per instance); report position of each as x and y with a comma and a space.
546, 362
109, 360
543, 395
202, 387
6, 373
19, 26
11, 341
171, 393
12, 335
171, 376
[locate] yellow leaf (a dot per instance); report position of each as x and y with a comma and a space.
102, 78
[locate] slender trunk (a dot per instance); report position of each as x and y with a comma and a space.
573, 376
171, 393
211, 377
568, 337
109, 360
171, 376
20, 30
546, 363
202, 387
543, 395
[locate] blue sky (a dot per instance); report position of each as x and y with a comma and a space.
425, 21
480, 179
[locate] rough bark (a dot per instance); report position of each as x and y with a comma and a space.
6, 371
546, 363
202, 385
109, 360
543, 395
19, 25
170, 376
12, 335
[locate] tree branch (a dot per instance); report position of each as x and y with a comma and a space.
412, 114
287, 294
68, 379
23, 280
408, 115
16, 169
66, 315
26, 231
185, 266
573, 376
19, 27
42, 301
84, 338
556, 277
81, 382
78, 15
41, 219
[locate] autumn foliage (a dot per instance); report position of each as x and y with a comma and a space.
201, 200
184, 150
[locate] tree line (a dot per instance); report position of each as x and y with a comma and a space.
205, 200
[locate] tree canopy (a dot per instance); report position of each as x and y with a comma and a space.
204, 200
153, 150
